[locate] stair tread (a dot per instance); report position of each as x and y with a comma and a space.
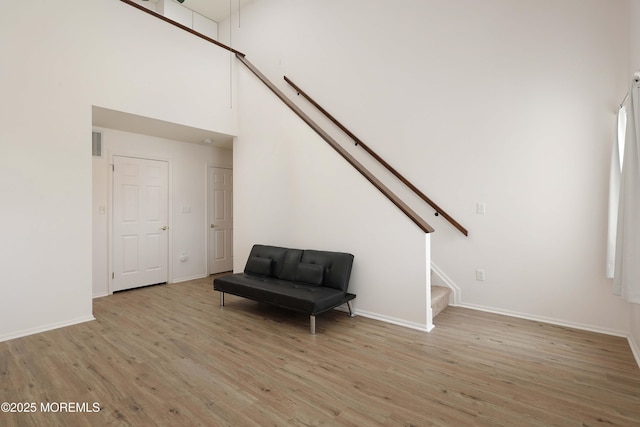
439, 299
439, 291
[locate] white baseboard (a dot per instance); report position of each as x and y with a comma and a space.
550, 320
100, 295
44, 328
456, 300
635, 349
186, 279
394, 321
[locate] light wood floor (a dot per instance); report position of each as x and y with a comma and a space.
169, 355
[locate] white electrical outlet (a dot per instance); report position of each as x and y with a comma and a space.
480, 275
481, 208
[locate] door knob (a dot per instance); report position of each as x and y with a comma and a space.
213, 226
164, 228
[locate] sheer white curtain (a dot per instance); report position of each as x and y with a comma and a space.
614, 189
626, 255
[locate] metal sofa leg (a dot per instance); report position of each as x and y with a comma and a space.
221, 299
312, 324
351, 313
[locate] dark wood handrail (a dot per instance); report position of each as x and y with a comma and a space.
345, 154
368, 175
187, 29
438, 209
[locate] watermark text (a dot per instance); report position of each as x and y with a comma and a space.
53, 407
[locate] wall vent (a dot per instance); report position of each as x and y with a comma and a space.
96, 143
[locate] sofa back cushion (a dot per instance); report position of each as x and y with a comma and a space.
262, 255
287, 271
258, 266
336, 267
284, 261
310, 267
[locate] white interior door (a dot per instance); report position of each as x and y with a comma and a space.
220, 200
140, 222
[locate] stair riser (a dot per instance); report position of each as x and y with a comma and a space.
439, 299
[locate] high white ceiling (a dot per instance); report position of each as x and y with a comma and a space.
218, 10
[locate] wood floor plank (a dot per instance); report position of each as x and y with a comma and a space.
170, 355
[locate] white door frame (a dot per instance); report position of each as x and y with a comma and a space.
111, 155
206, 209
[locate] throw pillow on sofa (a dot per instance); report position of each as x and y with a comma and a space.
310, 274
258, 266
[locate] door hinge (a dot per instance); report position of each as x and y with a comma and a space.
113, 275
113, 167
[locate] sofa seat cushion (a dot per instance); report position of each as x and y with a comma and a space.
283, 293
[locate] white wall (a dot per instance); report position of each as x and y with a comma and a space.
472, 99
507, 103
291, 189
188, 188
57, 59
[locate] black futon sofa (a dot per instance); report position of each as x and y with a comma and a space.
308, 281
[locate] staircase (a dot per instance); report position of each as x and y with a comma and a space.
439, 299
440, 293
